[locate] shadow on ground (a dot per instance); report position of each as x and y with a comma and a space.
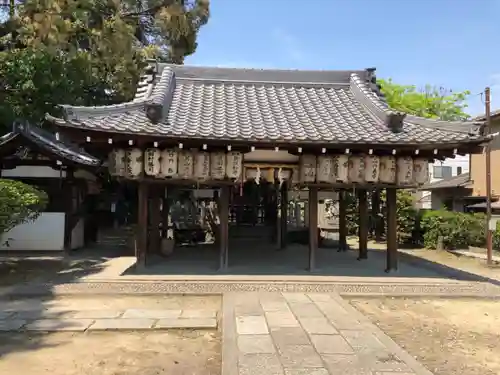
247, 258
17, 272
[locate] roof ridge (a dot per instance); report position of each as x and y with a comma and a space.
372, 101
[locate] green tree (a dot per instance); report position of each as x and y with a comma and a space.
88, 52
429, 102
19, 203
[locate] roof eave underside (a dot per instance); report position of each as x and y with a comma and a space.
47, 142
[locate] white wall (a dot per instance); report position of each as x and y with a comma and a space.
44, 234
30, 171
459, 161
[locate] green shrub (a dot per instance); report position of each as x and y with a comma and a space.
19, 203
496, 237
458, 230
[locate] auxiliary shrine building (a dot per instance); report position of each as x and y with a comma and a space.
245, 141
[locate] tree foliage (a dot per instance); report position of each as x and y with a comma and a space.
88, 52
429, 102
405, 211
19, 203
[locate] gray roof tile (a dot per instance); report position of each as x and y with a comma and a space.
265, 105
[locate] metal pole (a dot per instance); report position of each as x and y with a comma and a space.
489, 233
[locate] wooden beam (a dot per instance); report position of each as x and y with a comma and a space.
141, 240
313, 227
224, 227
363, 224
342, 221
392, 228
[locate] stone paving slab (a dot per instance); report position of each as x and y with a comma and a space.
122, 324
11, 325
331, 338
192, 323
133, 319
151, 314
98, 314
51, 325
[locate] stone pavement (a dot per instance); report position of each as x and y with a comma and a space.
306, 334
50, 320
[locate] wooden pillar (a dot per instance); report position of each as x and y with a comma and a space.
283, 215
363, 224
342, 221
392, 228
155, 219
224, 227
67, 192
141, 239
377, 220
313, 226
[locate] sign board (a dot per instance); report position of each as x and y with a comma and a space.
492, 225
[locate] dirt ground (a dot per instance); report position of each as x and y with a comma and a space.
449, 336
107, 353
463, 263
15, 270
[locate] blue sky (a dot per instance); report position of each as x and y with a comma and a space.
448, 43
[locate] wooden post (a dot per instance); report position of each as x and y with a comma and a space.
284, 215
342, 221
363, 224
156, 217
141, 239
313, 226
377, 220
392, 228
224, 227
67, 183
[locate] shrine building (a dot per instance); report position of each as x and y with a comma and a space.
248, 139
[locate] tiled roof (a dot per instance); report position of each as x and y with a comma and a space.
265, 106
482, 117
462, 180
48, 142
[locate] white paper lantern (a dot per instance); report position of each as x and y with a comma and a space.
356, 169
388, 168
234, 165
218, 165
185, 164
341, 168
134, 159
372, 168
152, 165
324, 172
420, 171
202, 165
405, 170
169, 163
307, 168
116, 163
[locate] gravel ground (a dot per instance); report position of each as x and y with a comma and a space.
448, 336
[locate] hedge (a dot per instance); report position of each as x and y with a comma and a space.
457, 230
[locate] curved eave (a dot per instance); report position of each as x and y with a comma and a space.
81, 127
47, 143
